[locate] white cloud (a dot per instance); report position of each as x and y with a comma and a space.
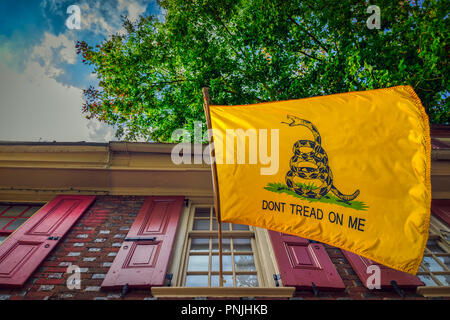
133, 8
93, 18
51, 53
99, 16
36, 107
105, 17
99, 132
54, 6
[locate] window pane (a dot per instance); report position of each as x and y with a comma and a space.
244, 263
228, 281
30, 212
4, 222
445, 260
201, 225
198, 263
197, 281
225, 225
200, 244
202, 212
242, 244
3, 208
16, 224
427, 280
226, 263
444, 279
240, 227
432, 264
247, 280
15, 211
433, 246
2, 238
225, 244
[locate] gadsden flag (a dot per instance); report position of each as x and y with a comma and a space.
351, 170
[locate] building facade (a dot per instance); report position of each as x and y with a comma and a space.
122, 221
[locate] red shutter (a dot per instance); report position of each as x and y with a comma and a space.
143, 259
441, 209
302, 263
360, 265
23, 251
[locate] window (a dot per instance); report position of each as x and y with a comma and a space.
435, 268
12, 216
249, 263
240, 265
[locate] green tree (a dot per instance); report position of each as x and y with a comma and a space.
249, 51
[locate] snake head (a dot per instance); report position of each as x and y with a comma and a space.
295, 121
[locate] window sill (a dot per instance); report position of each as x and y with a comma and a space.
225, 292
434, 291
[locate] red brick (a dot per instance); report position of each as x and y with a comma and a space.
37, 295
50, 263
50, 281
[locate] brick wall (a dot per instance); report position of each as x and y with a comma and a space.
91, 244
94, 240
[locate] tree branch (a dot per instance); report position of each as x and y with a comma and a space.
310, 56
310, 35
166, 82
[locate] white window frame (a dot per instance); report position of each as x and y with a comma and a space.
264, 257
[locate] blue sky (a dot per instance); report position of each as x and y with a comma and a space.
41, 77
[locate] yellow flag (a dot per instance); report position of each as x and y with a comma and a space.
351, 170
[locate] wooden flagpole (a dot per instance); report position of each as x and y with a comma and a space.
206, 101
